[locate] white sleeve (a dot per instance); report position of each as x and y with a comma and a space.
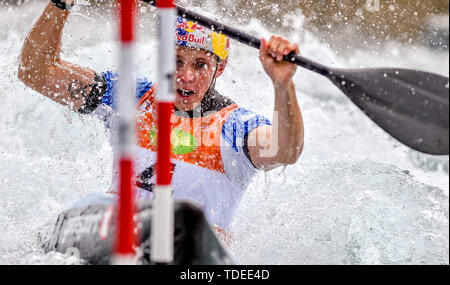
236, 159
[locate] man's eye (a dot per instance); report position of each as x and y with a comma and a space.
201, 65
179, 62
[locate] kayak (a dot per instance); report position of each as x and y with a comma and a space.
92, 230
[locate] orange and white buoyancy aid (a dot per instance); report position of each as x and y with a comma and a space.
195, 141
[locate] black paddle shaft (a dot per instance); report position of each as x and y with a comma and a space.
411, 105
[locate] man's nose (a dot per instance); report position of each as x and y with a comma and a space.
186, 74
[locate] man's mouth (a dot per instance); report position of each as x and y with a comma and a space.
185, 93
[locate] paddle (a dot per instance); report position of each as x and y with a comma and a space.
410, 105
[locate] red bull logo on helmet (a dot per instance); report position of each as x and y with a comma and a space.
191, 32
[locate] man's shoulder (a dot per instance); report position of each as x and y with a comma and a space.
111, 78
241, 123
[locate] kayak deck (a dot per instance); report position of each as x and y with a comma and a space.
92, 231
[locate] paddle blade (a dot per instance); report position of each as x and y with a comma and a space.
412, 106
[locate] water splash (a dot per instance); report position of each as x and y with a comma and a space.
356, 196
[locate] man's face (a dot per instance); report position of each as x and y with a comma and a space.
195, 73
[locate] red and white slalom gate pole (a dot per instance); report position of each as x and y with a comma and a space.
163, 218
126, 238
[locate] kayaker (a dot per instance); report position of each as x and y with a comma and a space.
217, 145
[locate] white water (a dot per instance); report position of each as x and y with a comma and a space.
355, 197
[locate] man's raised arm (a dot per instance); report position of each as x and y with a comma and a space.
282, 143
41, 67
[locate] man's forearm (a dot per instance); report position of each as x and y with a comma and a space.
289, 123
